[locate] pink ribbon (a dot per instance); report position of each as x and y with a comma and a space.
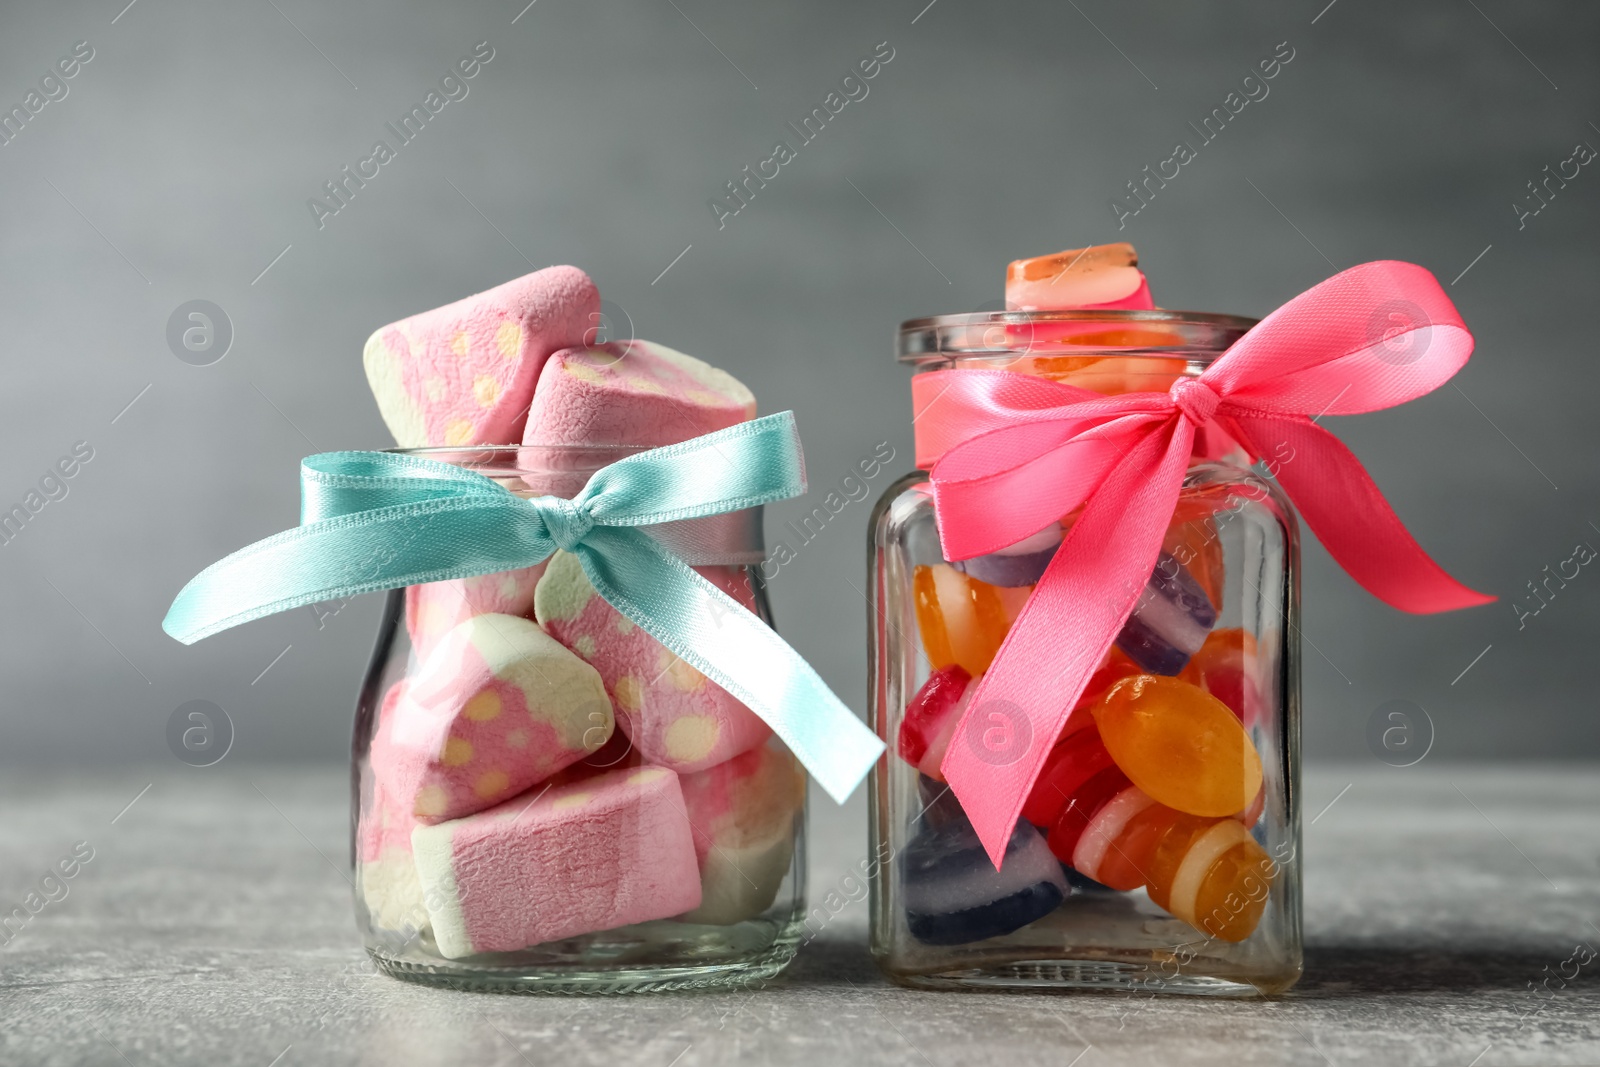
1010, 454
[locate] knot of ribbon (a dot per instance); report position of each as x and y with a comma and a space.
1009, 454
566, 523
378, 520
1195, 399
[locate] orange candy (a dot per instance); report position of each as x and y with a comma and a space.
1078, 278
1194, 540
1208, 872
961, 619
1110, 375
1179, 744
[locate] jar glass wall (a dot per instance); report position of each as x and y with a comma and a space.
1129, 868
546, 799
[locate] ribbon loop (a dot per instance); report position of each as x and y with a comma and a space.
1007, 454
376, 520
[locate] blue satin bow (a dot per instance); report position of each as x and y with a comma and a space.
376, 520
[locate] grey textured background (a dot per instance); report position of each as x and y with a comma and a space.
180, 163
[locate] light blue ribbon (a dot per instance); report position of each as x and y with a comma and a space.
377, 520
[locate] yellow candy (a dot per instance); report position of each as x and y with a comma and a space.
963, 620
1179, 744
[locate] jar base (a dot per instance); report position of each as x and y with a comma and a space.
636, 972
1095, 975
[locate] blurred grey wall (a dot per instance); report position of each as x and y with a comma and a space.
177, 162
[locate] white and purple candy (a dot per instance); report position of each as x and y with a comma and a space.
1170, 622
953, 894
1017, 565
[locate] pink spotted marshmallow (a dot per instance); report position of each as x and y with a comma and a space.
384, 871
464, 374
674, 715
436, 608
743, 815
498, 706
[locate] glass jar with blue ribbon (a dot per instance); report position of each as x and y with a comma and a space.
580, 749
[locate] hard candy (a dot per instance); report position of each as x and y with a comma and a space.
1021, 564
1103, 276
954, 896
931, 717
962, 620
1179, 744
1170, 620
1208, 872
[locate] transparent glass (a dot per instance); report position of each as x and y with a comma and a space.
546, 800
1206, 671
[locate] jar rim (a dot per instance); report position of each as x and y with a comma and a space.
1196, 335
513, 460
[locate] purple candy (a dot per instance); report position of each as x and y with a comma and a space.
953, 894
1021, 564
1170, 621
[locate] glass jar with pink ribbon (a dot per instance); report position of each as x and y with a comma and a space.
1084, 627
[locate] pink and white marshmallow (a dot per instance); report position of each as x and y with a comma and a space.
743, 815
674, 715
632, 393
587, 855
497, 707
436, 608
384, 870
464, 374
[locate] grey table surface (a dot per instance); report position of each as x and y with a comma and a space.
1447, 907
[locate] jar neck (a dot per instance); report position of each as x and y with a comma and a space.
1106, 352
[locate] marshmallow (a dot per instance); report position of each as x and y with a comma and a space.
674, 715
743, 816
497, 707
588, 855
384, 870
435, 608
465, 373
632, 393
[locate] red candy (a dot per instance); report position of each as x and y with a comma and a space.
1225, 668
1086, 802
931, 719
1077, 758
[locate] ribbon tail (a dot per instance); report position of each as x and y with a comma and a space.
404, 544
688, 615
1345, 509
1075, 613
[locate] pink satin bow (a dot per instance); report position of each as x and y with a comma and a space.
1011, 454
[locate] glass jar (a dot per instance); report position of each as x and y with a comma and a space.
1103, 886
546, 799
